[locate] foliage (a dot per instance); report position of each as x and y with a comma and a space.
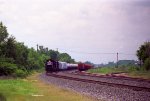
144, 52
147, 64
20, 73
4, 59
36, 59
12, 70
133, 68
3, 32
13, 55
10, 48
3, 36
7, 68
143, 55
53, 54
65, 58
21, 54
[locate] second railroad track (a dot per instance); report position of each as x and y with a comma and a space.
135, 88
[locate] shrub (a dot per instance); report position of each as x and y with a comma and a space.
7, 68
10, 69
21, 73
132, 68
147, 64
8, 60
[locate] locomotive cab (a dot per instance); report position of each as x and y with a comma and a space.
51, 65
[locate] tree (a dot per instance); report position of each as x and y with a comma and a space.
33, 58
16, 59
36, 59
53, 54
144, 52
3, 36
65, 58
147, 64
10, 48
3, 32
21, 54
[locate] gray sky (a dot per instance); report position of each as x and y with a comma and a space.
80, 26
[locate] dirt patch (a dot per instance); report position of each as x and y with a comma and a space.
6, 77
2, 97
120, 74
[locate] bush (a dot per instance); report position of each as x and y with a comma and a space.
7, 68
21, 73
147, 64
8, 60
132, 68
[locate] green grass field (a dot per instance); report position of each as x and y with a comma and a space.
32, 89
105, 70
12, 89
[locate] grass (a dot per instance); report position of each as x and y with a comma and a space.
140, 74
32, 89
105, 70
12, 89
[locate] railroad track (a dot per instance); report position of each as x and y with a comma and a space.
110, 76
135, 88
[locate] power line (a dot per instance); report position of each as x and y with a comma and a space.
127, 54
81, 52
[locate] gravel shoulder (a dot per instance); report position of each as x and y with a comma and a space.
99, 92
110, 80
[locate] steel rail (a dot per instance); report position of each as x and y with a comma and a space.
111, 76
135, 88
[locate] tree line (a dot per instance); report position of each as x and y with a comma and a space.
17, 60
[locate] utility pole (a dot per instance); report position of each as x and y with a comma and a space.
57, 54
117, 59
37, 47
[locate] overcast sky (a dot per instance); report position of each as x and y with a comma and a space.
79, 27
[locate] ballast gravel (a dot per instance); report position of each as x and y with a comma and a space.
100, 92
109, 80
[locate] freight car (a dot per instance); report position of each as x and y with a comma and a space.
53, 66
71, 66
83, 66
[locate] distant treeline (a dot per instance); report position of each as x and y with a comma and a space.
18, 60
120, 63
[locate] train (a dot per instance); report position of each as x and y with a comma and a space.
54, 66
